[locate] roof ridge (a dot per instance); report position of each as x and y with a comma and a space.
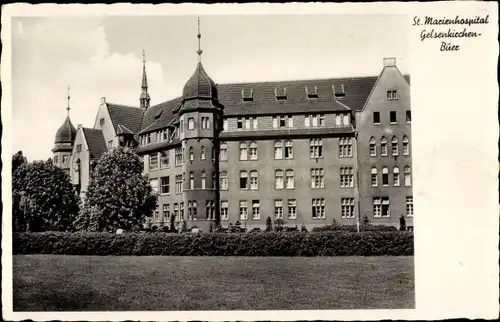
123, 105
298, 80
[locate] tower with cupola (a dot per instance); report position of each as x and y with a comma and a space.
200, 116
63, 143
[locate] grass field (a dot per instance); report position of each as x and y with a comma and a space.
92, 283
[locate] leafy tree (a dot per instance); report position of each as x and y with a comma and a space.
17, 160
118, 195
279, 224
43, 197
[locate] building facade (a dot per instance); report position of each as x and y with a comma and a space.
308, 152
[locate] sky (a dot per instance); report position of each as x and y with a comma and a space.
102, 57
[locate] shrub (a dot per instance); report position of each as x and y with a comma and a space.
353, 228
339, 243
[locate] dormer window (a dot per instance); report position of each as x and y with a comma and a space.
312, 92
280, 93
392, 94
247, 95
101, 122
157, 115
338, 90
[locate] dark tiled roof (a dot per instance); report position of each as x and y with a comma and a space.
163, 113
128, 116
200, 85
286, 133
407, 77
66, 133
95, 141
264, 95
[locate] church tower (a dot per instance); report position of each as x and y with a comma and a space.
63, 144
144, 99
200, 117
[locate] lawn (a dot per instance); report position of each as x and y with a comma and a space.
93, 283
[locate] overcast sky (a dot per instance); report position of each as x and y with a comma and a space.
103, 57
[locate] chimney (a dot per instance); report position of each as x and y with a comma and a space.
103, 100
79, 126
390, 62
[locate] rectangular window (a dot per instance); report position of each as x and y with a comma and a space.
278, 209
191, 123
165, 185
243, 151
278, 179
153, 161
290, 180
347, 177
288, 150
154, 185
78, 148
254, 180
157, 213
110, 144
392, 94
224, 125
275, 122
239, 123
255, 209
243, 180
292, 209
318, 208
307, 121
101, 122
166, 212
181, 211
253, 151
243, 210
178, 184
317, 178
65, 159
247, 123
345, 147
205, 124
290, 121
56, 159
224, 183
223, 151
409, 206
408, 116
377, 207
164, 159
338, 119
192, 209
407, 176
210, 209
178, 156
278, 150
176, 211
255, 123
224, 210
282, 121
381, 207
392, 117
346, 120
376, 117
316, 148
347, 207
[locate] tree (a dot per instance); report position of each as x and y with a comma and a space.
279, 224
118, 195
43, 197
17, 160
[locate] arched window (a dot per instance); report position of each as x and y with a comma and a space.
191, 154
254, 180
395, 149
385, 176
243, 151
278, 150
373, 147
374, 177
224, 184
203, 180
243, 180
406, 146
278, 179
253, 151
407, 176
290, 180
223, 151
191, 180
395, 177
203, 153
383, 146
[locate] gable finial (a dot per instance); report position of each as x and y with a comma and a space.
67, 107
199, 52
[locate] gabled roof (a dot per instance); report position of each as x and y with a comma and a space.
124, 115
159, 116
95, 142
264, 100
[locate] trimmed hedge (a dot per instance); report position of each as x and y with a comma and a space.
353, 228
339, 243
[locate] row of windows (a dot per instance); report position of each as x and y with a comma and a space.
162, 158
287, 121
394, 146
281, 93
382, 207
65, 159
395, 177
393, 117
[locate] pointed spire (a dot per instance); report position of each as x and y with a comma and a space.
199, 51
144, 98
67, 107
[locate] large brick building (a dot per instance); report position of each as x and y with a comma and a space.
306, 151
